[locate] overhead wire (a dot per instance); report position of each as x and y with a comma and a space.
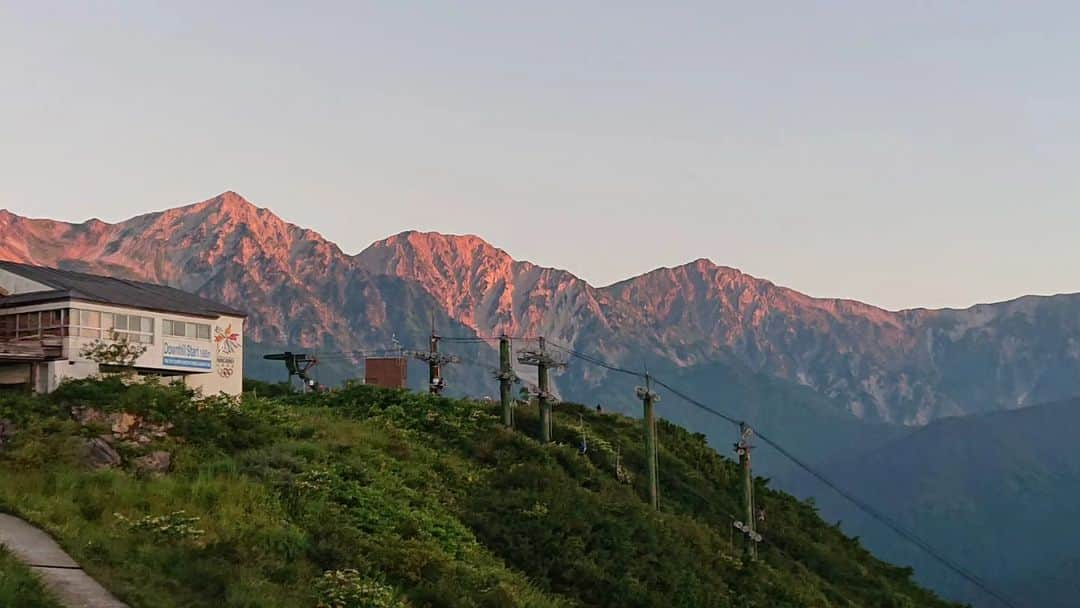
483, 338
887, 521
875, 514
596, 360
697, 403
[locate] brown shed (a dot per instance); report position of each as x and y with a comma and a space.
387, 372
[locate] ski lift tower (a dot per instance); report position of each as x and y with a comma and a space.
435, 360
542, 361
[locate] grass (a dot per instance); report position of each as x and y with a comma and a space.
20, 587
364, 497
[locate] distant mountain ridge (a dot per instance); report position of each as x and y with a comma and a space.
997, 492
906, 367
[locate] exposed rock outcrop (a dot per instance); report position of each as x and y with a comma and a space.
301, 290
99, 454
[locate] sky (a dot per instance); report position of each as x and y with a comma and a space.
904, 154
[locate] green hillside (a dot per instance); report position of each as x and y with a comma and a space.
365, 497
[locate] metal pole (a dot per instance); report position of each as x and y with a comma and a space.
748, 488
542, 398
505, 375
652, 461
434, 372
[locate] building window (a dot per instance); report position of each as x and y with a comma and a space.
7, 327
33, 325
135, 328
86, 323
53, 323
185, 329
29, 325
97, 325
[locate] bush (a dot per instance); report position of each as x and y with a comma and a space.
372, 497
173, 527
348, 589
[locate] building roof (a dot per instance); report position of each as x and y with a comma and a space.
66, 284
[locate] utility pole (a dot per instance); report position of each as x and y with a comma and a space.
435, 381
435, 361
506, 377
742, 448
652, 460
542, 398
543, 362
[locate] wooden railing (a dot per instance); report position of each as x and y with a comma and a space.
30, 350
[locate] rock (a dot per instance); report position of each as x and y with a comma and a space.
87, 416
123, 423
154, 462
100, 455
127, 428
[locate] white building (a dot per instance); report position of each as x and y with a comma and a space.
48, 316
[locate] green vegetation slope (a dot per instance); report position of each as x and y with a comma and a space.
366, 497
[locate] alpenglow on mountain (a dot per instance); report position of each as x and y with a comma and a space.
302, 291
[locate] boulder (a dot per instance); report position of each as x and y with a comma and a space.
126, 427
154, 462
100, 455
88, 415
123, 423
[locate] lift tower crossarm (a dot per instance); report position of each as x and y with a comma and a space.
435, 360
298, 365
542, 361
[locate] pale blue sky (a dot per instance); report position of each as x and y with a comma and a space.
900, 153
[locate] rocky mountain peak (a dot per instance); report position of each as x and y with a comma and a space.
301, 289
227, 208
444, 251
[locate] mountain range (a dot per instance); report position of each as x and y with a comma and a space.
907, 367
849, 386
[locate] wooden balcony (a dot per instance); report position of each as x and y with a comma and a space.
31, 350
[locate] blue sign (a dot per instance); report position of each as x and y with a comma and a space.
187, 355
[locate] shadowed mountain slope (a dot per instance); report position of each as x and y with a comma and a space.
997, 492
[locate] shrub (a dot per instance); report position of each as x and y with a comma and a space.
118, 352
173, 527
349, 589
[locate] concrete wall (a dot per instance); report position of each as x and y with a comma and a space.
14, 373
227, 373
212, 366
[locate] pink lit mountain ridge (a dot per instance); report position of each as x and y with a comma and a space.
302, 291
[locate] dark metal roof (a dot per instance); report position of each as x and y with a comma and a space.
66, 284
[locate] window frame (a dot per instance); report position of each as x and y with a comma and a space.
34, 325
106, 325
8, 324
139, 335
193, 330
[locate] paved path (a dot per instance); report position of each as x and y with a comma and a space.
67, 581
